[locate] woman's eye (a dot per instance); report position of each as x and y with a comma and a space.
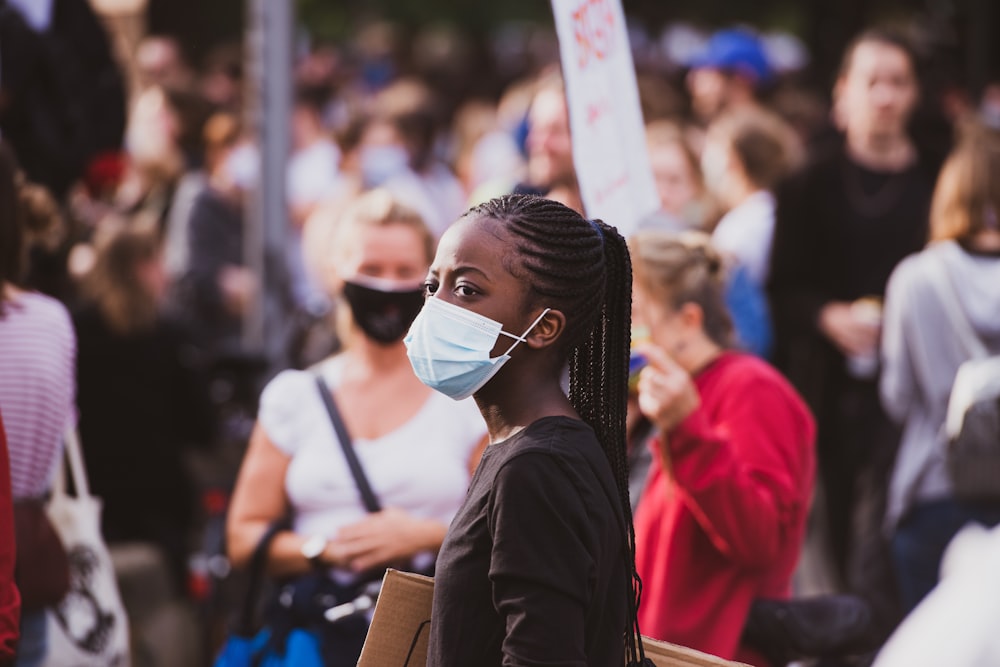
466, 290
430, 288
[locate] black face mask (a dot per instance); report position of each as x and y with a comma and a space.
384, 316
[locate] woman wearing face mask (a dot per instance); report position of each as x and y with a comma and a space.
537, 567
417, 448
397, 151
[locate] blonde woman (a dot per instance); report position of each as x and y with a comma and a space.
417, 447
921, 353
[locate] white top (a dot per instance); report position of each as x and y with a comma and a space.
746, 233
421, 467
956, 623
37, 388
36, 13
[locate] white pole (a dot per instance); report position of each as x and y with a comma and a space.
269, 51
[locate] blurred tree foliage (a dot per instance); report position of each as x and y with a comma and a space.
966, 27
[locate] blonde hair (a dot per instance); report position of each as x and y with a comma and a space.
766, 145
676, 269
121, 245
967, 196
380, 208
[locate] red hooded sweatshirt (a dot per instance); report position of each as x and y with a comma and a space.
723, 521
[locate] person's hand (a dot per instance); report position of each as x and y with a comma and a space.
853, 337
667, 394
382, 538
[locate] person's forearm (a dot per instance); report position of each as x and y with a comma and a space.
429, 535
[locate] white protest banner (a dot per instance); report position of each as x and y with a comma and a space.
609, 141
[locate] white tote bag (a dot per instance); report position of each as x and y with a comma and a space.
89, 627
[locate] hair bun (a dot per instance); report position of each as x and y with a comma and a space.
714, 261
699, 245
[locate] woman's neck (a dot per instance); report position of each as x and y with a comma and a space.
986, 241
510, 407
368, 358
741, 192
698, 354
881, 152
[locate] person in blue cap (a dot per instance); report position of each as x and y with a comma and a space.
728, 73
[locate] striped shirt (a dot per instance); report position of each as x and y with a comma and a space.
37, 387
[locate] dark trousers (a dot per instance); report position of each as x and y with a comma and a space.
857, 446
921, 538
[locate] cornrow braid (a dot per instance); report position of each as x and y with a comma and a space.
583, 268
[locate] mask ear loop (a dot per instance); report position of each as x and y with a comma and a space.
521, 338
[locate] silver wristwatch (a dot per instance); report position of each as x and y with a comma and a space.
313, 548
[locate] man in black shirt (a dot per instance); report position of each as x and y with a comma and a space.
842, 226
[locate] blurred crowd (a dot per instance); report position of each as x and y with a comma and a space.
126, 287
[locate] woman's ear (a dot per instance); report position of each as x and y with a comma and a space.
548, 330
692, 316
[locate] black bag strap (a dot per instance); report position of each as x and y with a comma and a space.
368, 496
258, 562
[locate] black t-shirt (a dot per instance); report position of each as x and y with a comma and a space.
840, 230
533, 570
142, 402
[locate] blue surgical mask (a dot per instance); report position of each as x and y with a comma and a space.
380, 164
449, 348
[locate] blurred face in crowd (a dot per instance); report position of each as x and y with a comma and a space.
306, 126
382, 153
159, 63
667, 326
709, 90
152, 276
878, 91
720, 165
550, 147
677, 182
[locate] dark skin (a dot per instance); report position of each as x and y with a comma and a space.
476, 269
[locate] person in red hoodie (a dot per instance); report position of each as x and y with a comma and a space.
723, 515
10, 599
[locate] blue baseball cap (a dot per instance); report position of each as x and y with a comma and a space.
736, 51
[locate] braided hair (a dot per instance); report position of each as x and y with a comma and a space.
582, 267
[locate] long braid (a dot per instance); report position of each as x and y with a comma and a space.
583, 268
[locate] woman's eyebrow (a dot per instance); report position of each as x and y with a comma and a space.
463, 269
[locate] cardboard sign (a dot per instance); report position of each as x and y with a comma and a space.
609, 140
401, 626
